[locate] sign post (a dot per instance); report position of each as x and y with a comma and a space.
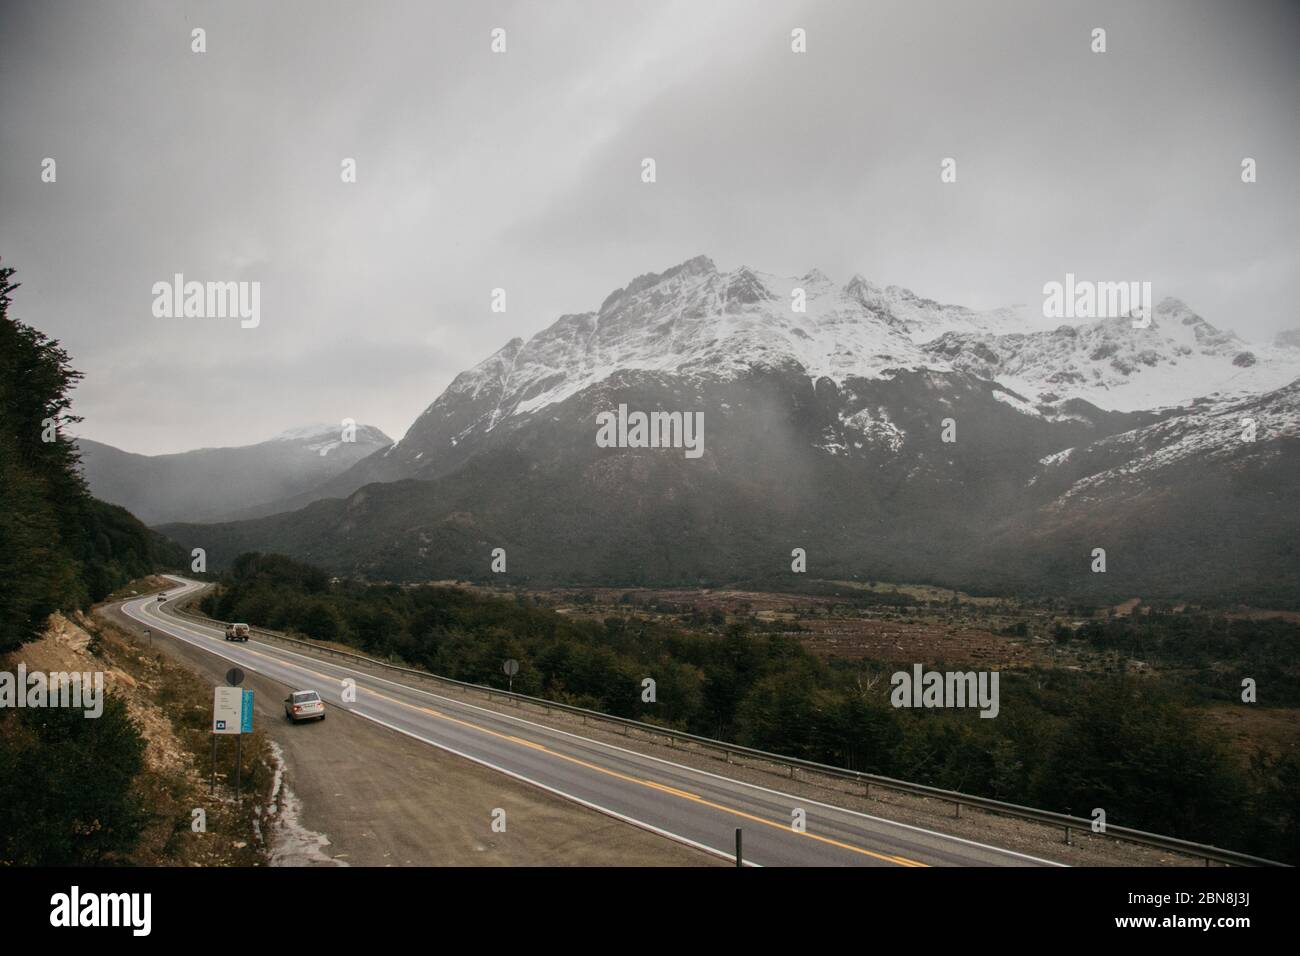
232, 713
227, 704
511, 667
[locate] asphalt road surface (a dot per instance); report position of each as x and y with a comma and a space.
692, 806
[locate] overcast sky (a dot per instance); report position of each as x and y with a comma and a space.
522, 171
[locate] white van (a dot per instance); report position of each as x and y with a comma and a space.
236, 632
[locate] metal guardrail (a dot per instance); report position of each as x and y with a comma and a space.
1068, 823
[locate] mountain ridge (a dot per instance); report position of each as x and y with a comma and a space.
221, 482
895, 437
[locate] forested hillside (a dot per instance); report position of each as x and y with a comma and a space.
60, 548
69, 787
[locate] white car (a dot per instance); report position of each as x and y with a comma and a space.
304, 705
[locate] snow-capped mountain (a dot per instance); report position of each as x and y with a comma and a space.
1239, 432
1201, 504
693, 320
924, 320
1177, 358
322, 439
216, 483
825, 429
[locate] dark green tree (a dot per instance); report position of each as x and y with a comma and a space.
66, 785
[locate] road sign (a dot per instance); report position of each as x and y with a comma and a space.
234, 677
227, 710
246, 713
511, 667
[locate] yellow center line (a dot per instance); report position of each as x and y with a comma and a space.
651, 784
694, 798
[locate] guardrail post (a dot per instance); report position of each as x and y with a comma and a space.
736, 755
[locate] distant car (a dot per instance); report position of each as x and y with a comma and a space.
236, 632
304, 705
162, 596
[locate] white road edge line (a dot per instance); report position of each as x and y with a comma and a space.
797, 800
722, 854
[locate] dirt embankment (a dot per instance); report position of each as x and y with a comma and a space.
171, 708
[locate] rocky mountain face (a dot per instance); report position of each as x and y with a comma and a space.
890, 436
220, 483
1178, 357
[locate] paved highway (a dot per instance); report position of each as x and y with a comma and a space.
695, 807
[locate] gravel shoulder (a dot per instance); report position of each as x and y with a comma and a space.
355, 793
1038, 840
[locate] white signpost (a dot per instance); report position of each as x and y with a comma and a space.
227, 710
232, 713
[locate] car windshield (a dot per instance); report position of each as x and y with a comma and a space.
305, 696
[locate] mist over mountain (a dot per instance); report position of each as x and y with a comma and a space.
891, 436
219, 483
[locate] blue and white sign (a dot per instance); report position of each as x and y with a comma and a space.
246, 713
227, 710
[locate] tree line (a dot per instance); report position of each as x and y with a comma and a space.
67, 784
1138, 747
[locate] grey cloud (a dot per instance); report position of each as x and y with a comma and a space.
522, 171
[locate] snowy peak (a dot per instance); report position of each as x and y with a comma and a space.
669, 280
1173, 313
690, 320
329, 432
323, 439
695, 322
303, 432
1176, 358
816, 279
1236, 430
923, 319
215, 483
746, 288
